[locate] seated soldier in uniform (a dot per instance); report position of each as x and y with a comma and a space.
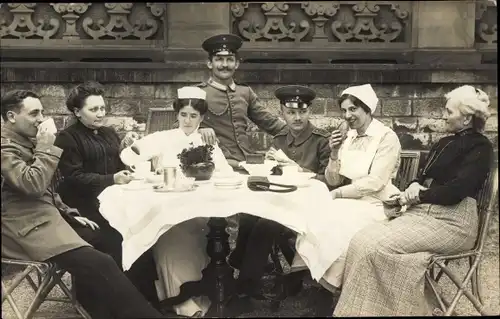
34, 219
305, 146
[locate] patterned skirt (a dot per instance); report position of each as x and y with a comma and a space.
386, 261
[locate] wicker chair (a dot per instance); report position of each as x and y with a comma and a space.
160, 119
408, 169
487, 199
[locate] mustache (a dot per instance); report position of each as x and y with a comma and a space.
224, 69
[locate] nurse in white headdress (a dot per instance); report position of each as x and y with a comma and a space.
361, 166
190, 107
180, 253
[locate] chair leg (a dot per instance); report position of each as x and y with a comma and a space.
45, 287
461, 290
11, 302
475, 280
71, 294
433, 285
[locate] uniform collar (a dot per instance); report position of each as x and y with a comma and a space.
17, 138
302, 137
220, 86
374, 129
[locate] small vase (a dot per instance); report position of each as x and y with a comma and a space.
200, 171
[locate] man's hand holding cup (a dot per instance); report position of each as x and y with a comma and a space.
46, 132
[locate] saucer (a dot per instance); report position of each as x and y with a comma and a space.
135, 186
226, 187
162, 189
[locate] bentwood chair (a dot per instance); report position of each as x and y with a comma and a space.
487, 199
42, 277
160, 119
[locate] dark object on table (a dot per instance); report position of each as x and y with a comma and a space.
277, 170
261, 183
197, 161
255, 158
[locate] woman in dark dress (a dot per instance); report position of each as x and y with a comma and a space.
90, 163
386, 261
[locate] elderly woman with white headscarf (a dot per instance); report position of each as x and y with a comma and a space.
386, 261
361, 167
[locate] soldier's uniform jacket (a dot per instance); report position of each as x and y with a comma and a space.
229, 109
310, 149
32, 223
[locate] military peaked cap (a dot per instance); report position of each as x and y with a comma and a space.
295, 96
222, 44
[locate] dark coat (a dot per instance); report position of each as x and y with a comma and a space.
33, 227
89, 161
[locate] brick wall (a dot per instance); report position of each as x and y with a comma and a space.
414, 111
411, 101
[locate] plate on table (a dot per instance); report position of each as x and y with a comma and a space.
135, 185
186, 188
228, 186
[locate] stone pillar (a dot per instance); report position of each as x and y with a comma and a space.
191, 23
444, 32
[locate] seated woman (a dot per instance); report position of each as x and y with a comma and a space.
386, 261
362, 163
180, 253
90, 162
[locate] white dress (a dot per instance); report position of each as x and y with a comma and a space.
180, 253
324, 254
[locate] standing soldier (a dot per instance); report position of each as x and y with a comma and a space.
230, 106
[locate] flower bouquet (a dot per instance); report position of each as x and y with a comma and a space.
197, 162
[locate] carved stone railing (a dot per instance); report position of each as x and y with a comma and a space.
287, 32
324, 25
486, 25
81, 28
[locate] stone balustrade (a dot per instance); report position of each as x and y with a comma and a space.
290, 32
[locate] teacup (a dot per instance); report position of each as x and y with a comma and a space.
141, 169
48, 125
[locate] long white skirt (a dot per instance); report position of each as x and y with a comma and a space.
180, 256
332, 235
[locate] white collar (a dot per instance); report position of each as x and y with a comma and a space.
376, 128
181, 133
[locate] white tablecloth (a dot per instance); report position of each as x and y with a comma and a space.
142, 216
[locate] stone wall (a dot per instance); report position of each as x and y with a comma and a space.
411, 96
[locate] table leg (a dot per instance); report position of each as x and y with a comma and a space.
221, 274
217, 281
